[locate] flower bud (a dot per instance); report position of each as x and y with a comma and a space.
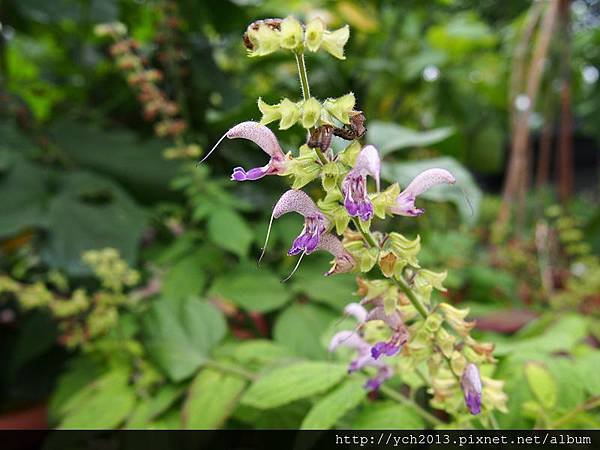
311, 111
341, 107
334, 41
290, 113
270, 113
290, 34
264, 40
314, 34
471, 386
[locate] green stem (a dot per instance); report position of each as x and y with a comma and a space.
403, 285
592, 403
303, 75
366, 235
394, 395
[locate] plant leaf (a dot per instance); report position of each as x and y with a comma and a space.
211, 398
541, 383
229, 230
180, 334
389, 137
287, 384
326, 412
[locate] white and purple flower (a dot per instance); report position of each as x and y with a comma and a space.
471, 386
405, 202
399, 332
363, 359
266, 140
354, 186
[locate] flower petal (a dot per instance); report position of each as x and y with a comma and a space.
260, 135
368, 162
405, 202
295, 201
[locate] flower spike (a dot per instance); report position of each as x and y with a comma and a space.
266, 140
354, 186
405, 202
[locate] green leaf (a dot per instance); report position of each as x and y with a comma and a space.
136, 164
386, 415
287, 384
253, 289
211, 399
103, 404
404, 171
24, 190
186, 277
229, 230
541, 383
180, 334
587, 366
260, 351
389, 137
152, 407
300, 326
91, 212
326, 412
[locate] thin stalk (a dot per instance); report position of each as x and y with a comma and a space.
394, 395
403, 285
303, 75
366, 235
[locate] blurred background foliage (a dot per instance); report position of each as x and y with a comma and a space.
129, 294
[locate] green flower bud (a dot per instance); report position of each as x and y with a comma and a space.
270, 113
405, 249
349, 154
264, 40
445, 342
290, 34
385, 200
364, 257
330, 205
455, 318
334, 41
311, 111
314, 34
340, 108
330, 174
304, 168
429, 278
290, 113
433, 322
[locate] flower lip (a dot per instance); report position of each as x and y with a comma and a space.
266, 140
354, 185
405, 202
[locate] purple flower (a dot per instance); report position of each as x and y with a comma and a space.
343, 261
405, 202
471, 386
266, 140
315, 223
357, 311
399, 333
363, 359
354, 186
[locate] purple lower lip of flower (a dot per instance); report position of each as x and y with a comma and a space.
373, 384
308, 240
356, 200
385, 348
239, 174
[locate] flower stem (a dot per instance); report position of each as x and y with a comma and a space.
403, 285
394, 395
303, 75
366, 235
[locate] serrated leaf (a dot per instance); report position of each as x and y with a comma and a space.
541, 383
326, 412
404, 171
180, 334
210, 400
287, 384
389, 137
229, 230
253, 289
386, 415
